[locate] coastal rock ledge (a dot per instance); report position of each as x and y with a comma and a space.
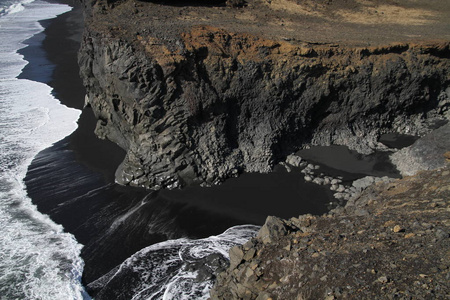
392, 242
199, 91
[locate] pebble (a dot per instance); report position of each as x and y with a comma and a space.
383, 279
398, 228
441, 234
338, 195
340, 189
288, 169
335, 181
294, 160
318, 181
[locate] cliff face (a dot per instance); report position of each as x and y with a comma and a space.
203, 103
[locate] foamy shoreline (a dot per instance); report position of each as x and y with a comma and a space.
38, 259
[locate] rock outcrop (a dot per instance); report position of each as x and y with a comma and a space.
426, 153
199, 93
390, 243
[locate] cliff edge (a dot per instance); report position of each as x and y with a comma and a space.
390, 243
199, 91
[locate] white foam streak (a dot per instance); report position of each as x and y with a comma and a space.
162, 268
14, 7
37, 259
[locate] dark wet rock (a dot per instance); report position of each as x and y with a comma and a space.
208, 267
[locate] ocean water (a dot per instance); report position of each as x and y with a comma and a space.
38, 260
174, 269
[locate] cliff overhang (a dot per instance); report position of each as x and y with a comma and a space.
202, 91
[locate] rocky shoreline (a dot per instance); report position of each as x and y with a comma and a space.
196, 93
341, 192
391, 242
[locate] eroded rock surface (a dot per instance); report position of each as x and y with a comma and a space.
202, 91
390, 243
426, 153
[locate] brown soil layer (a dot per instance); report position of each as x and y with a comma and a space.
390, 243
339, 22
198, 91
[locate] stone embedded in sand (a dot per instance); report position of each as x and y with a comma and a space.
383, 279
294, 160
398, 228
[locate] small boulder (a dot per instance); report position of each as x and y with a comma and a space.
294, 160
236, 256
272, 228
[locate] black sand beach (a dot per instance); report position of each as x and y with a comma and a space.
72, 181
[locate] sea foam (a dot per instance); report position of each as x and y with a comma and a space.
169, 270
38, 260
8, 7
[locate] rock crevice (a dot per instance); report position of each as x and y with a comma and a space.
198, 99
224, 102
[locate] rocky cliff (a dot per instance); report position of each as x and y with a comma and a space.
200, 91
390, 243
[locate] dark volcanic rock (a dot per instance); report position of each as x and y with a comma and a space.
204, 103
207, 268
198, 92
426, 153
398, 249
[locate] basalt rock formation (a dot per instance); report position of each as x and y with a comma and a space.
201, 91
388, 242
